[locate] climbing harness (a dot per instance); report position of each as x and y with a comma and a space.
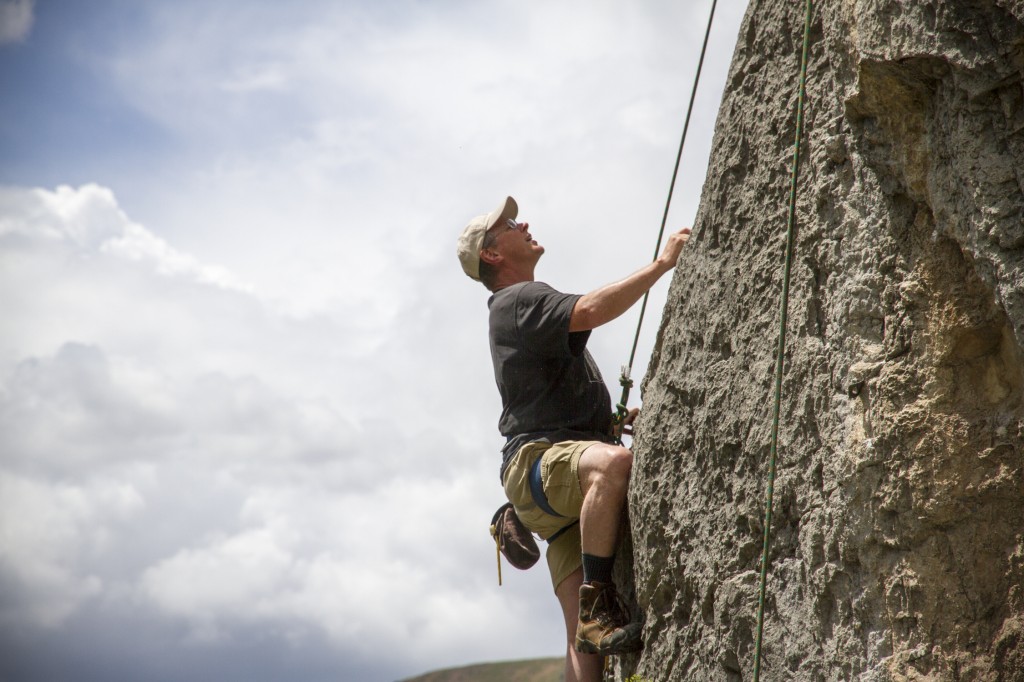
780, 358
621, 411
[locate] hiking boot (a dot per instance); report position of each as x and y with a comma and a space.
604, 626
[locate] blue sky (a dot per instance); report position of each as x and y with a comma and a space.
67, 109
247, 413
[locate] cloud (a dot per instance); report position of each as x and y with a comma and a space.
362, 574
16, 17
88, 218
40, 542
358, 134
178, 447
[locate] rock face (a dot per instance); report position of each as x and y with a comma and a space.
897, 546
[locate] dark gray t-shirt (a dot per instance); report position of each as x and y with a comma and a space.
550, 386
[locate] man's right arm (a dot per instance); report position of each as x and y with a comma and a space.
605, 304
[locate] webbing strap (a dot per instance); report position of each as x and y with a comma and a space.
558, 533
537, 490
541, 500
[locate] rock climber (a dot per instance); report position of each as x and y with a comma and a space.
557, 420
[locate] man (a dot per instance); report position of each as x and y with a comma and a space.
557, 419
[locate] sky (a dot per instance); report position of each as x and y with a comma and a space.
247, 413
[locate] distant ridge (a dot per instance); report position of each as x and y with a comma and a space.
535, 670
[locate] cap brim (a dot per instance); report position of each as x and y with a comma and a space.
507, 211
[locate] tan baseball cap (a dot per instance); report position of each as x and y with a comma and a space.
472, 238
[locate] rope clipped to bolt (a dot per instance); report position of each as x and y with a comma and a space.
780, 357
621, 409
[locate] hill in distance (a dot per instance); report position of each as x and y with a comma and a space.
535, 670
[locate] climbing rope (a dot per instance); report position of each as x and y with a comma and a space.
780, 358
624, 379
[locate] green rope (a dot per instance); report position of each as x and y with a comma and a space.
790, 232
621, 409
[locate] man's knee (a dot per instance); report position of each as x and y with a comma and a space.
620, 463
609, 464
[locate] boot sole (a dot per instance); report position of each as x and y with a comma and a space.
626, 645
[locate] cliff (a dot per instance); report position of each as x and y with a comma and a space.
898, 536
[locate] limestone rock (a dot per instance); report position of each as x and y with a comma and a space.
897, 546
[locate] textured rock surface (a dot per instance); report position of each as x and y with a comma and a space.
898, 537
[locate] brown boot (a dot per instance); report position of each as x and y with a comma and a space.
604, 626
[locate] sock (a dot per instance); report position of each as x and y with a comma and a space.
597, 568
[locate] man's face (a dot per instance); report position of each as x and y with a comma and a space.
514, 242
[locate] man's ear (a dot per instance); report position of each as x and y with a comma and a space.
490, 256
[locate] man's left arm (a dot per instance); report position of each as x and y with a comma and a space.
605, 304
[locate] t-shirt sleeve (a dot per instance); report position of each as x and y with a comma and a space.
542, 317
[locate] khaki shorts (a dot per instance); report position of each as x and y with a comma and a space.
559, 472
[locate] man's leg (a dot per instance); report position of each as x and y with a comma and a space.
578, 667
604, 626
604, 479
589, 481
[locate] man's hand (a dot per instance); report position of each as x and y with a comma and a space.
625, 427
673, 247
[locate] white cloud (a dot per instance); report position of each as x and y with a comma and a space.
47, 532
346, 567
137, 243
88, 218
256, 78
16, 18
384, 131
224, 465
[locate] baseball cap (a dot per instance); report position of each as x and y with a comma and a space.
472, 238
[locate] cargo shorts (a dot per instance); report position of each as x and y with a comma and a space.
559, 471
